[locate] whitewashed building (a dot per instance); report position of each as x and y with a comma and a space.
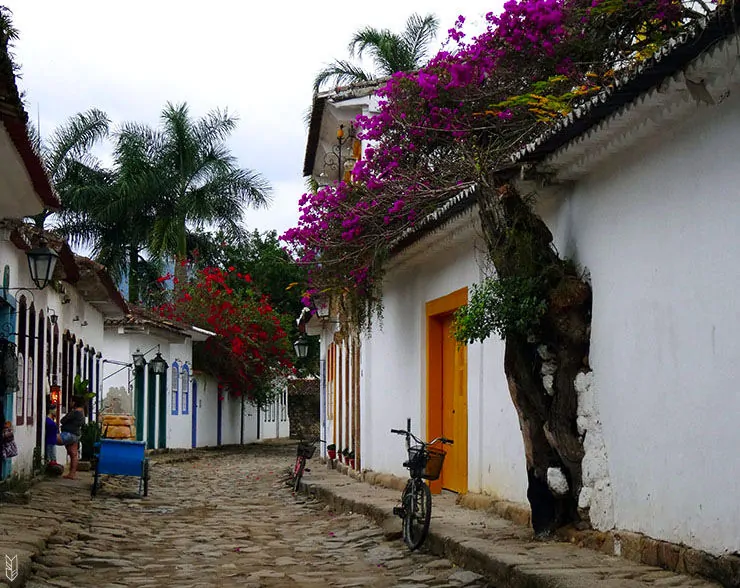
49, 336
228, 419
643, 193
182, 408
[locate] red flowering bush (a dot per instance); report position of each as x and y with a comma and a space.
250, 351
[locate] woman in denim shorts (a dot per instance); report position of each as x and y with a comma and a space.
71, 425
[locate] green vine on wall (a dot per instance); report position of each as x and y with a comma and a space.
503, 306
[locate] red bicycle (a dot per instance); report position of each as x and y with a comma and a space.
305, 451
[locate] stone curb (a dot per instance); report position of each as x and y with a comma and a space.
504, 555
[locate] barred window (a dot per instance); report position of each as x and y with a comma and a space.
175, 387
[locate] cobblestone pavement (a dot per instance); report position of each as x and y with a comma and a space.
223, 520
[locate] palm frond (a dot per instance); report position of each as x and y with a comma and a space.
418, 36
165, 236
215, 127
180, 148
73, 139
369, 37
340, 73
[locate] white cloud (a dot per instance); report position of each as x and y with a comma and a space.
256, 58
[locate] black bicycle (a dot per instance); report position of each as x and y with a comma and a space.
424, 463
305, 451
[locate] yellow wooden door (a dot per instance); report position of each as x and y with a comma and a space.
454, 409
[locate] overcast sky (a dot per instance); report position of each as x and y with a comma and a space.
256, 57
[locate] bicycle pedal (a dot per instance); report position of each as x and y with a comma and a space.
399, 511
306, 470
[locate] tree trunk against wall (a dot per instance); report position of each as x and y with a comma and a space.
520, 245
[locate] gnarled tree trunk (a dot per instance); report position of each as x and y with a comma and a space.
541, 368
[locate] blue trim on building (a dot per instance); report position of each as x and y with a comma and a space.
174, 395
7, 325
185, 388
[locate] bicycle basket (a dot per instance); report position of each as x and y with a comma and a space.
428, 460
306, 450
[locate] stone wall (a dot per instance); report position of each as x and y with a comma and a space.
304, 408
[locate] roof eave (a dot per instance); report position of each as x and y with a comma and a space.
314, 132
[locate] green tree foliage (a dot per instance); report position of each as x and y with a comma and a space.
502, 306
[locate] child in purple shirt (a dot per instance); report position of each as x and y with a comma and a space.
52, 430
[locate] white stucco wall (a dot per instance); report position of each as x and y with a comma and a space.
658, 230
179, 424
393, 375
121, 347
206, 431
274, 421
76, 316
231, 406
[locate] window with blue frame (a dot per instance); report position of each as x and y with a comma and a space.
175, 386
185, 388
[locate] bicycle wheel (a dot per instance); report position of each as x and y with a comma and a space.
417, 504
300, 465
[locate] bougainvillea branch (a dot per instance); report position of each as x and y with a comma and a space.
443, 128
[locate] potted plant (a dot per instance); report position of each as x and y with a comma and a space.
345, 455
81, 389
89, 437
351, 459
331, 451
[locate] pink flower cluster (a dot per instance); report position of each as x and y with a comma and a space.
460, 101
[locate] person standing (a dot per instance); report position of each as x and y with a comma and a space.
70, 436
52, 431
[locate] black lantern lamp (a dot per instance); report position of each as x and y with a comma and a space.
41, 262
139, 361
158, 365
301, 347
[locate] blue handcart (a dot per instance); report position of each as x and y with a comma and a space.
117, 457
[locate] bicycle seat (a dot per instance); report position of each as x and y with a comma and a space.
407, 464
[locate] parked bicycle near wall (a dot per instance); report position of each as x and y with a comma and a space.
424, 463
304, 452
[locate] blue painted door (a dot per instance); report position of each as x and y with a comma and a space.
7, 325
194, 417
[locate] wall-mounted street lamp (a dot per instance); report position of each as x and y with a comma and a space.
340, 158
301, 347
41, 263
321, 304
55, 394
139, 360
158, 365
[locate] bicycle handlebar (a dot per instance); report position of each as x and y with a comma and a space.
443, 440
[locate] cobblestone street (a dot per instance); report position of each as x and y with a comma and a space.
223, 520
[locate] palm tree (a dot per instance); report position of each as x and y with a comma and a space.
166, 187
205, 185
69, 145
113, 210
389, 51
